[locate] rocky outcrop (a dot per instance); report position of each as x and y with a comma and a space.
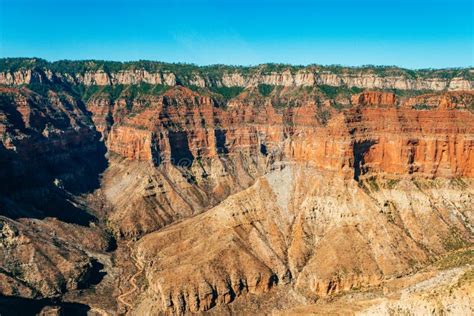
361, 80
431, 291
100, 78
36, 263
451, 100
131, 143
401, 146
375, 98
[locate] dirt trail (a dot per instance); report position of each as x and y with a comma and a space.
98, 311
132, 279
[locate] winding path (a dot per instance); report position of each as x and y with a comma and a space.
132, 279
99, 311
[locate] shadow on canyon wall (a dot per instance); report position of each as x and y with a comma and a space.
39, 175
19, 306
360, 148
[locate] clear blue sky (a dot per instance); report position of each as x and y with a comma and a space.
408, 33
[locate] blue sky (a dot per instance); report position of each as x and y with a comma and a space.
413, 34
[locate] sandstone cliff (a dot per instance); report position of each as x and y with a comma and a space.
27, 71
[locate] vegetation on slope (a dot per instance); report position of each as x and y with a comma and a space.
184, 70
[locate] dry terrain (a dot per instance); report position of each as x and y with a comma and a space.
158, 189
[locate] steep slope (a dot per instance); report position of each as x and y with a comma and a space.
50, 152
444, 287
322, 237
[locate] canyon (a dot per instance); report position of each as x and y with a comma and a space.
149, 188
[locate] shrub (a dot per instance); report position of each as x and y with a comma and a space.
330, 91
228, 92
421, 107
265, 89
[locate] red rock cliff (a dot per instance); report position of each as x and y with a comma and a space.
438, 142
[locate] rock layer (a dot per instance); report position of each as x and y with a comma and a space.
375, 135
27, 71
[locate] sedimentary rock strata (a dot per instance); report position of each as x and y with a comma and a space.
228, 188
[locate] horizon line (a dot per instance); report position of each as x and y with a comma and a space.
240, 65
